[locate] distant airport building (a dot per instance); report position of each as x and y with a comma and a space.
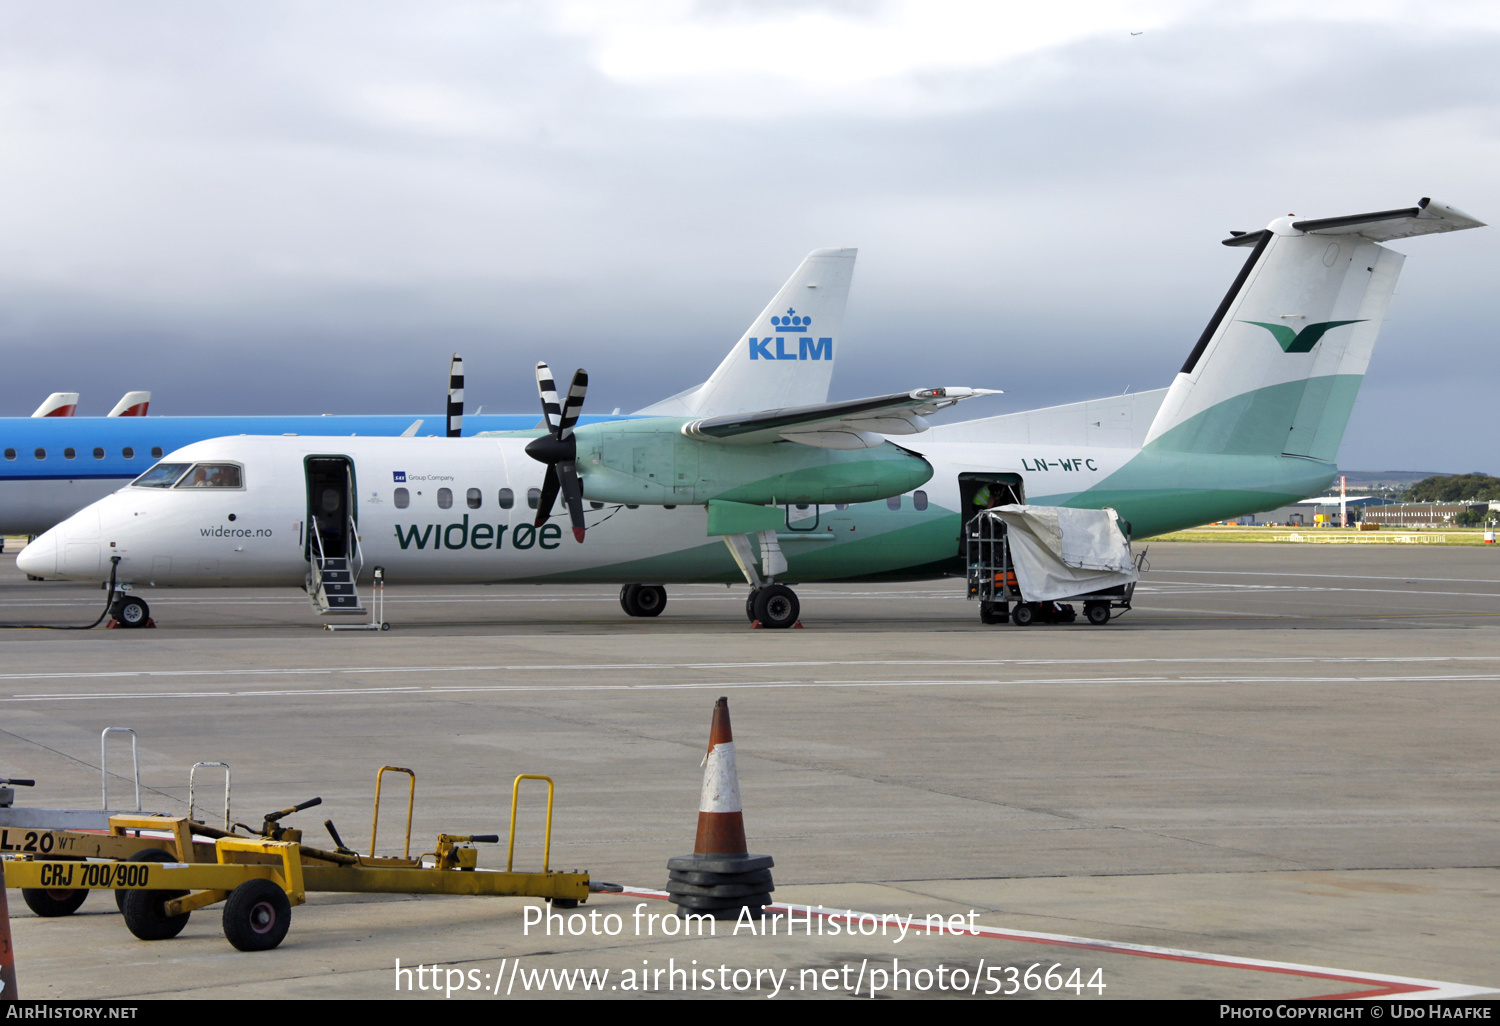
1322, 509
1421, 514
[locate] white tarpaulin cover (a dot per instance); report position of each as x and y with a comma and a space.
1059, 552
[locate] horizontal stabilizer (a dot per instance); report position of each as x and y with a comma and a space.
58, 404
1426, 218
132, 404
853, 424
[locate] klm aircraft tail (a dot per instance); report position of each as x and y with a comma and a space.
786, 357
1277, 369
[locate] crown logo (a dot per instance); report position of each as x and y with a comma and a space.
792, 321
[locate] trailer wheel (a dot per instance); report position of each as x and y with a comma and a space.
1024, 615
145, 917
1098, 614
257, 916
144, 855
993, 612
49, 903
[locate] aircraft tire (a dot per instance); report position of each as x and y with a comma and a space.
49, 903
650, 599
750, 604
776, 606
627, 599
131, 612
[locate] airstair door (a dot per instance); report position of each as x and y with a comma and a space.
333, 540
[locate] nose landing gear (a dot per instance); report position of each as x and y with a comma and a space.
129, 611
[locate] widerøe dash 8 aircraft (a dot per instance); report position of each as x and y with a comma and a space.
1252, 421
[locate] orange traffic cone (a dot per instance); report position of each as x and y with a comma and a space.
7, 953
721, 878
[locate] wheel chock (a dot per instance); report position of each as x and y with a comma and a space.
756, 625
150, 622
797, 626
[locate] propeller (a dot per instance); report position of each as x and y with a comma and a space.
559, 448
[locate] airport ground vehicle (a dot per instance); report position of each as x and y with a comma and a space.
1017, 580
162, 868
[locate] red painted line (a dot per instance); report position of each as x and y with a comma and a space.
1380, 987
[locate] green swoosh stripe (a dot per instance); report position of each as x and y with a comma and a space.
1300, 341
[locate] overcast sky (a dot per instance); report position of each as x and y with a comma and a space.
304, 206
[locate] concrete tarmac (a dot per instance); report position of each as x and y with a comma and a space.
1283, 753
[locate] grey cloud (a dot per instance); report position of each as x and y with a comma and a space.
254, 195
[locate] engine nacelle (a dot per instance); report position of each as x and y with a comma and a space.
653, 463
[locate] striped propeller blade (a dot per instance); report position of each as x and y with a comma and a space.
573, 405
547, 388
456, 397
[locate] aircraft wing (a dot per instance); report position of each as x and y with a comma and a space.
853, 424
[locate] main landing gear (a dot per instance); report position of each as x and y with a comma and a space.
643, 599
773, 605
769, 604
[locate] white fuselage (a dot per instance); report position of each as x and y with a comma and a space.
257, 534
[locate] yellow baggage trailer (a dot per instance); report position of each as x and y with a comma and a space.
259, 879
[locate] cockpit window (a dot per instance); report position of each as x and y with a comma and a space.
163, 475
213, 475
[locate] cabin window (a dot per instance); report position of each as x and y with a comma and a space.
156, 452
98, 454
403, 498
41, 454
919, 499
10, 454
533, 497
163, 475
70, 453
474, 497
894, 502
445, 498
213, 475
507, 498
128, 453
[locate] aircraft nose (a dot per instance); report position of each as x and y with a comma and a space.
39, 558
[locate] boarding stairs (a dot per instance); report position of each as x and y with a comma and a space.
333, 578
